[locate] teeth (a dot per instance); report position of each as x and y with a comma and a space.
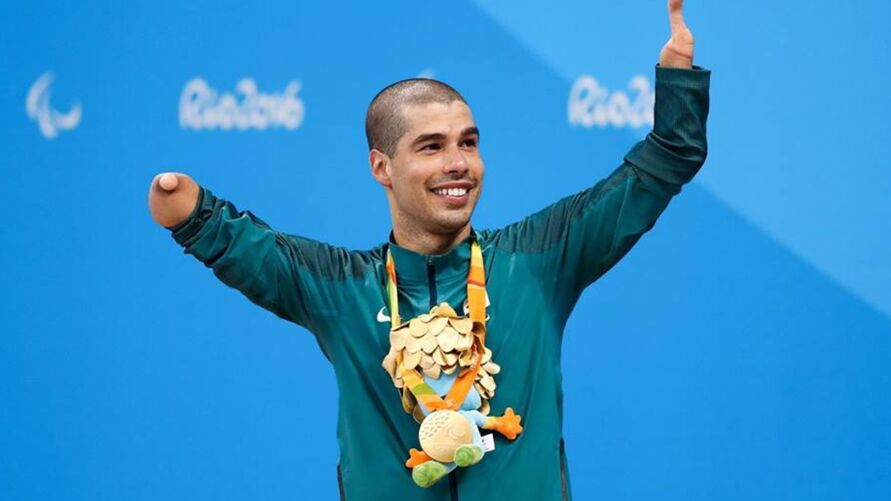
454, 192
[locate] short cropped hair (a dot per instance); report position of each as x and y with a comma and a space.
384, 121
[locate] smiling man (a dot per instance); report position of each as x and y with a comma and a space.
424, 152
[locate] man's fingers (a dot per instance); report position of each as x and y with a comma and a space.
168, 181
676, 15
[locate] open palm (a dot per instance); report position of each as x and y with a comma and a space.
678, 52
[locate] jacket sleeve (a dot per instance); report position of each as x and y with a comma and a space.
285, 274
589, 232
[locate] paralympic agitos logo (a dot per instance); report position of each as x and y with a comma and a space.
49, 120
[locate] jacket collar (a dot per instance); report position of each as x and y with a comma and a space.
412, 267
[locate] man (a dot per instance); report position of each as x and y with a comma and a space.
424, 152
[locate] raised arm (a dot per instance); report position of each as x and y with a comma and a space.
285, 274
605, 221
584, 235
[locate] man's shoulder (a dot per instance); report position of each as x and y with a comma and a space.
333, 262
534, 233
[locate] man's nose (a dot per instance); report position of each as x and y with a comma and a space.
456, 162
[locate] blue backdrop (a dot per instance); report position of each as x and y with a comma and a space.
739, 351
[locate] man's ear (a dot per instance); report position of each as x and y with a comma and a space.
380, 167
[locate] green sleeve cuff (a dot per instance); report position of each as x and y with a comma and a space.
186, 231
677, 147
697, 76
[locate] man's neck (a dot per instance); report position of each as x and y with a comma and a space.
426, 243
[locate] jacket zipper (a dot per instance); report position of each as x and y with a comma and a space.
340, 483
431, 285
431, 282
563, 485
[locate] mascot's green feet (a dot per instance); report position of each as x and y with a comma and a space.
428, 473
468, 455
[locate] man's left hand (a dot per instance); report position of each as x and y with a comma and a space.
678, 52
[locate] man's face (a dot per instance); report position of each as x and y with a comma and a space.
436, 171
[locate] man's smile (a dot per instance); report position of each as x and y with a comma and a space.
454, 193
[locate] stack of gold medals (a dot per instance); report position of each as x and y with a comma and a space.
435, 343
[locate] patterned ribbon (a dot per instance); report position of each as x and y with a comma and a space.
476, 300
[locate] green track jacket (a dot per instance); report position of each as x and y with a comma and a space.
536, 270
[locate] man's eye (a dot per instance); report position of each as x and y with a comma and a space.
430, 147
470, 142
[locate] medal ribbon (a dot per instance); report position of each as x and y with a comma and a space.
476, 300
